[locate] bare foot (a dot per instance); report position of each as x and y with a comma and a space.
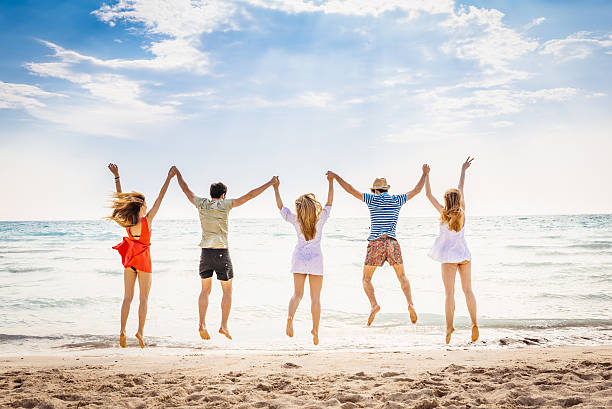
204, 333
225, 332
475, 333
448, 334
413, 314
373, 312
122, 340
140, 340
289, 330
315, 337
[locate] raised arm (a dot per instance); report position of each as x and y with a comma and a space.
115, 171
183, 184
464, 167
277, 196
252, 194
431, 197
419, 186
346, 186
153, 211
330, 190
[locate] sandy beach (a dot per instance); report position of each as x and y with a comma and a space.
578, 377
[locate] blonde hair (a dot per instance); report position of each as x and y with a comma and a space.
126, 208
308, 209
452, 213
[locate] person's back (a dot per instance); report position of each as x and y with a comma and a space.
214, 220
384, 213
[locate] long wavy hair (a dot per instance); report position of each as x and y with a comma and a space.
126, 208
308, 209
452, 213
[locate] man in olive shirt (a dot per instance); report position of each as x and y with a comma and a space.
215, 253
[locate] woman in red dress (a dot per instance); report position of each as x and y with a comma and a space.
130, 211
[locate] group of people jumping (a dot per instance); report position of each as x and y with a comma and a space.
130, 211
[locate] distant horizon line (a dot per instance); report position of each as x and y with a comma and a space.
271, 218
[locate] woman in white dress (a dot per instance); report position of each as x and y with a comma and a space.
450, 249
307, 258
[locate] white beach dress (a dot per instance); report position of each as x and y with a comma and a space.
307, 256
450, 246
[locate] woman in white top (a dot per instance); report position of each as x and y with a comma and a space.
307, 257
450, 249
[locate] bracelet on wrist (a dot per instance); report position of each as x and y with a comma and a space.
117, 177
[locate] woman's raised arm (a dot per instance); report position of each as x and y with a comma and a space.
277, 196
115, 171
330, 191
464, 167
431, 197
153, 211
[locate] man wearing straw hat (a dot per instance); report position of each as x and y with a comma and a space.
382, 243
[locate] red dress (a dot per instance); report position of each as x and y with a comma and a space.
135, 253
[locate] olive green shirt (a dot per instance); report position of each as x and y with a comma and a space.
213, 217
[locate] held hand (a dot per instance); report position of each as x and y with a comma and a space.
114, 169
331, 175
467, 163
426, 169
172, 172
274, 181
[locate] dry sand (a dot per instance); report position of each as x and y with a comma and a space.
577, 377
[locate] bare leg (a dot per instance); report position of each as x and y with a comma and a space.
298, 293
144, 282
316, 283
129, 281
368, 272
203, 306
401, 276
448, 277
465, 273
226, 306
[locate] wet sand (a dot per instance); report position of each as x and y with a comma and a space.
577, 377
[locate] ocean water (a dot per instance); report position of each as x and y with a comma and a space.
539, 280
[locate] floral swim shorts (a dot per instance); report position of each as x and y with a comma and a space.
383, 249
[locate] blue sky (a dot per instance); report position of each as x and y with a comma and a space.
244, 89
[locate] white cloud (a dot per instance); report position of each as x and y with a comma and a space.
315, 99
449, 116
111, 105
481, 35
488, 103
579, 45
171, 54
357, 7
18, 96
309, 99
535, 22
502, 124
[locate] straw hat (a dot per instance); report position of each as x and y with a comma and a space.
380, 184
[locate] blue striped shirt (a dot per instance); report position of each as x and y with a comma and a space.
384, 211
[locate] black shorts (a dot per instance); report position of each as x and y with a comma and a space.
217, 260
